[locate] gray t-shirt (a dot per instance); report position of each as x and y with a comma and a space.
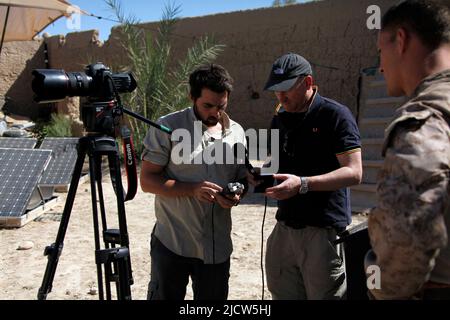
184, 224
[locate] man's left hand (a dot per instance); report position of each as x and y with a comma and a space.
285, 190
227, 202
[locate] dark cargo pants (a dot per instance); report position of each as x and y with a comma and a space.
170, 276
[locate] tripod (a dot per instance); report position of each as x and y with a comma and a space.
115, 257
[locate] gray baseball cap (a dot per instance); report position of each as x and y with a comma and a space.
285, 72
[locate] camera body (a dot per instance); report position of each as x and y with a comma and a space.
241, 155
233, 188
267, 180
97, 83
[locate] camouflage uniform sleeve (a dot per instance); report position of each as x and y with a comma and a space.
407, 229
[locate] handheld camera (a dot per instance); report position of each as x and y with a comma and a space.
233, 188
241, 154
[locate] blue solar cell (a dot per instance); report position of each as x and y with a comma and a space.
64, 156
20, 143
20, 172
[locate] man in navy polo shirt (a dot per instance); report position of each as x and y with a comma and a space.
320, 156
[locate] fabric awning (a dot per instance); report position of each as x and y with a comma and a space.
24, 19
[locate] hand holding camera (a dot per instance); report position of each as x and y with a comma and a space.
230, 195
288, 187
232, 189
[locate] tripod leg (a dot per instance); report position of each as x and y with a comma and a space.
125, 277
120, 257
108, 270
98, 170
54, 250
92, 172
123, 266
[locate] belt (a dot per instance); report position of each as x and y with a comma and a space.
294, 224
299, 225
433, 291
435, 285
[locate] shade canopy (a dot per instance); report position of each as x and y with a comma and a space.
24, 19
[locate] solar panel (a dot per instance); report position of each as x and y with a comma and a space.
20, 172
20, 143
64, 156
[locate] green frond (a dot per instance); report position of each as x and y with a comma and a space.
162, 86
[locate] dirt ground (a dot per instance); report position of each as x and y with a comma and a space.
21, 271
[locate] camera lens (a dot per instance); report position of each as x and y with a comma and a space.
79, 84
52, 85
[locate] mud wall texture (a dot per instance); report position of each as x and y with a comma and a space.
331, 34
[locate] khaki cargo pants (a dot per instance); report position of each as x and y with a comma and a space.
303, 264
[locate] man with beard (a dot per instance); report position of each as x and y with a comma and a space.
191, 237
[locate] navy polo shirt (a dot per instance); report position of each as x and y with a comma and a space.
309, 143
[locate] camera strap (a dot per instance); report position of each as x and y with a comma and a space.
130, 162
130, 165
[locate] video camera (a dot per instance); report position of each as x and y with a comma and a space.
98, 83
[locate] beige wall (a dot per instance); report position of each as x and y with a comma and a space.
17, 60
332, 34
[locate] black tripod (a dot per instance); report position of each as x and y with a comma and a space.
115, 257
100, 113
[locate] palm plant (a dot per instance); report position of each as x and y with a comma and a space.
162, 88
279, 3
